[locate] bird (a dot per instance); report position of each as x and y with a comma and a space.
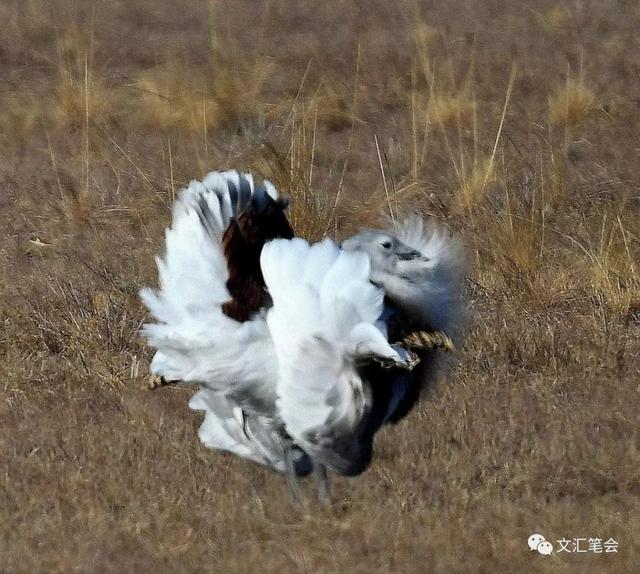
300, 351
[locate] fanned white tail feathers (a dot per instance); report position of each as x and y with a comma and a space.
323, 320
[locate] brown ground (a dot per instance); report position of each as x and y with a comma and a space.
108, 108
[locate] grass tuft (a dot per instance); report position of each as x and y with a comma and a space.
571, 104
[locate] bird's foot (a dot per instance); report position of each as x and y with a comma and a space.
408, 359
427, 340
156, 381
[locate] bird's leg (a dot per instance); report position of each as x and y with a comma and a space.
408, 359
156, 381
292, 477
322, 482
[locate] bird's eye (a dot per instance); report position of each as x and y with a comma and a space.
386, 244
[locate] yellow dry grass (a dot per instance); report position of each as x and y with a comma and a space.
356, 110
571, 103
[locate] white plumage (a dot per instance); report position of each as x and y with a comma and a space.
306, 381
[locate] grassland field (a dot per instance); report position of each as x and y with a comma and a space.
516, 125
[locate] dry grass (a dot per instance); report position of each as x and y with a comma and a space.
571, 104
468, 112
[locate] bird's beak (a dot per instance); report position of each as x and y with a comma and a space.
411, 255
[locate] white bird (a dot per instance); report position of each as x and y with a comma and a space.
300, 352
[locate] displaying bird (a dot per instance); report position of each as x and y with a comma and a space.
300, 352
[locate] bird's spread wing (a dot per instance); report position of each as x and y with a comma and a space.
324, 324
195, 341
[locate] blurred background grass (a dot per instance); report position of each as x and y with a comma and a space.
514, 125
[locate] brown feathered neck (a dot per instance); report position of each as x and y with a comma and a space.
242, 242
